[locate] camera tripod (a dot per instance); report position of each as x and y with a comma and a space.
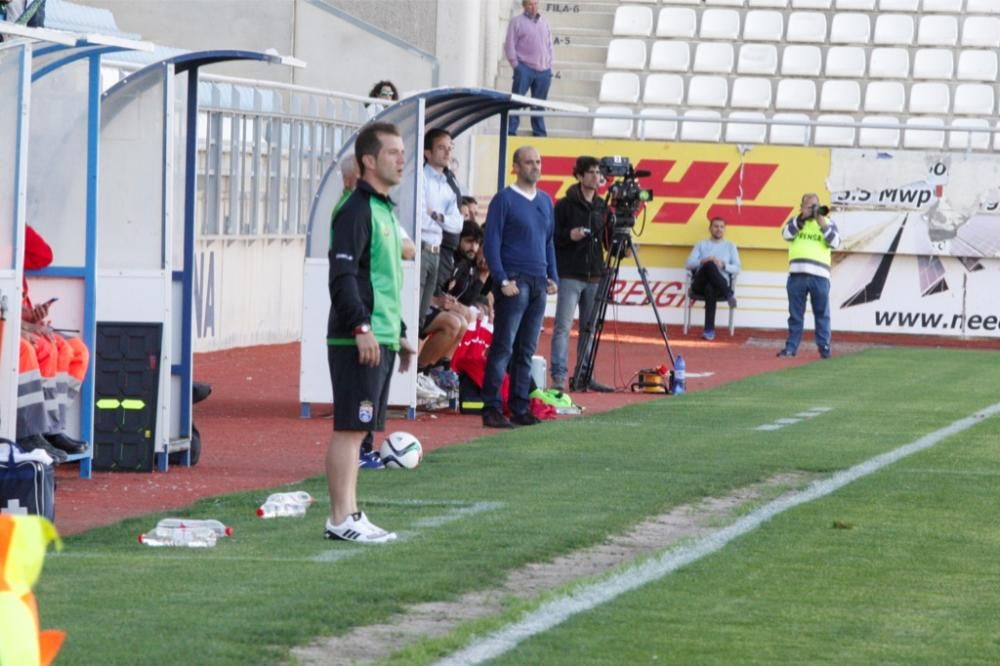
621, 246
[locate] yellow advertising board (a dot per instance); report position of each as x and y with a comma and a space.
755, 189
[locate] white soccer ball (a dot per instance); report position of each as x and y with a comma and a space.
401, 450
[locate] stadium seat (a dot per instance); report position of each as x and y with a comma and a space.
937, 30
840, 96
801, 61
720, 24
863, 5
894, 29
661, 130
711, 91
982, 6
795, 95
621, 87
763, 25
930, 98
632, 21
626, 54
921, 138
714, 57
879, 137
780, 4
807, 27
677, 23
796, 135
933, 64
850, 28
885, 97
665, 89
811, 4
977, 65
751, 93
981, 31
834, 136
943, 6
846, 61
729, 3
974, 99
701, 129
682, 2
757, 59
963, 140
746, 132
889, 63
898, 5
620, 128
670, 56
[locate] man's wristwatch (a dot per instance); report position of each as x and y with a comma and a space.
363, 328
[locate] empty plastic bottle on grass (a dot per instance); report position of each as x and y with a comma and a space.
214, 525
190, 537
679, 381
279, 505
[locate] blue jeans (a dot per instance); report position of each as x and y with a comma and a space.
538, 82
801, 285
517, 320
571, 293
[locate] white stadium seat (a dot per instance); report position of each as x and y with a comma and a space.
631, 21
862, 5
730, 3
981, 31
795, 95
977, 65
677, 22
974, 99
879, 137
933, 64
713, 57
682, 2
834, 136
695, 129
885, 97
746, 132
846, 61
801, 60
930, 98
889, 63
898, 5
840, 96
626, 54
963, 140
808, 27
720, 24
811, 4
662, 129
779, 4
621, 87
670, 56
796, 135
664, 89
937, 30
757, 59
923, 138
850, 28
982, 6
613, 127
894, 29
751, 93
712, 91
943, 6
763, 25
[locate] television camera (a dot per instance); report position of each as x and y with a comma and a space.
625, 196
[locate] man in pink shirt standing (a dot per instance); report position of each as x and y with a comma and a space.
528, 49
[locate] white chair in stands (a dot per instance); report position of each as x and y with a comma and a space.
834, 136
658, 124
751, 92
943, 6
806, 27
795, 135
619, 128
846, 61
691, 297
669, 56
977, 65
697, 125
934, 64
959, 140
763, 25
859, 5
981, 31
710, 91
619, 87
889, 63
801, 60
664, 89
974, 99
930, 97
840, 95
885, 97
923, 138
795, 95
757, 59
677, 23
746, 132
850, 28
937, 30
879, 137
626, 54
894, 29
721, 24
716, 57
632, 21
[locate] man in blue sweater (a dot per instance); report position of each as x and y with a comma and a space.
522, 260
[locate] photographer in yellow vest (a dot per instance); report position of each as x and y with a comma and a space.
811, 236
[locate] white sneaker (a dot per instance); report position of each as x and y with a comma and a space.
428, 390
357, 527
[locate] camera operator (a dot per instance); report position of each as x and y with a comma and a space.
581, 242
812, 235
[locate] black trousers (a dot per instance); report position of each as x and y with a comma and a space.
711, 283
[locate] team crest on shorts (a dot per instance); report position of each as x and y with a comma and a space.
366, 411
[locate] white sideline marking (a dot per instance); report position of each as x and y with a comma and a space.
586, 598
778, 424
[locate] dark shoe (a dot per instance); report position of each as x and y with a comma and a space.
825, 352
526, 419
597, 387
33, 442
494, 419
66, 443
784, 353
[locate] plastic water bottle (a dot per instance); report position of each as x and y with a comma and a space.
190, 537
679, 368
279, 505
214, 525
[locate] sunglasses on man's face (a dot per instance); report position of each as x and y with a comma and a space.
385, 92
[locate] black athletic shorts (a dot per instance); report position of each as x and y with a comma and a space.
360, 393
